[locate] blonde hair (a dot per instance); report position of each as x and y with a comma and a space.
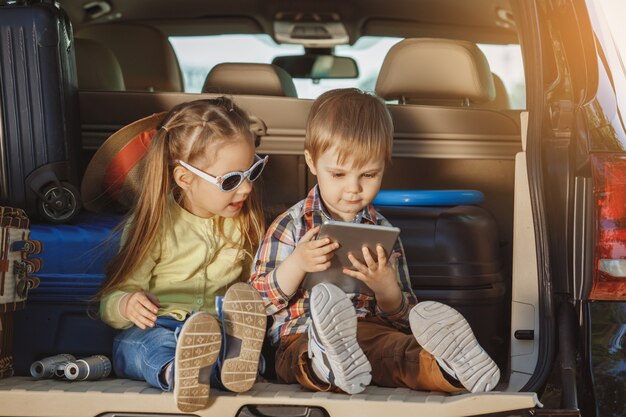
189, 132
356, 123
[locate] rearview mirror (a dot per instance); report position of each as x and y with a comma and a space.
318, 67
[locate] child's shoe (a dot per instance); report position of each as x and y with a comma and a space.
197, 349
336, 357
244, 328
444, 332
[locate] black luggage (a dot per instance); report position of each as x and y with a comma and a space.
453, 256
39, 132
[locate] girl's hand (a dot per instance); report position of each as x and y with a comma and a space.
140, 308
379, 275
314, 255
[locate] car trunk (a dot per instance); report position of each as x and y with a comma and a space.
434, 148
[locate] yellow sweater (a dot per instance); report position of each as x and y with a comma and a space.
186, 268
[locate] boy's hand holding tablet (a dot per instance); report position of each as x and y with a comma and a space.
361, 263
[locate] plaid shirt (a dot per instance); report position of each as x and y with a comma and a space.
292, 314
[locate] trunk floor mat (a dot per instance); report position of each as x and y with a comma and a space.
25, 396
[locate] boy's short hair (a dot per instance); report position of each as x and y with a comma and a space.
355, 122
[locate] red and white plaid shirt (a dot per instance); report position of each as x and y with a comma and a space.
292, 314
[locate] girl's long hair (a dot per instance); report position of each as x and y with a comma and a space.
190, 132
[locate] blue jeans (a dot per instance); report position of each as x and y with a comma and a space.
144, 354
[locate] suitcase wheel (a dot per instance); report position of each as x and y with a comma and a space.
60, 204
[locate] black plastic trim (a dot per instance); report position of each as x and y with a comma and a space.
527, 19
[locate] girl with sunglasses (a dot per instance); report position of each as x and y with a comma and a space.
191, 236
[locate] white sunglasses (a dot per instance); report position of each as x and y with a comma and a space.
232, 180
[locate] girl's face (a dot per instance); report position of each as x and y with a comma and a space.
204, 199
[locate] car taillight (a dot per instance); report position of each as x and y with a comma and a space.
609, 189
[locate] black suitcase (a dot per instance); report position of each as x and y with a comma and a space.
453, 255
39, 132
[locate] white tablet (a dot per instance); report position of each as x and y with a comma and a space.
351, 238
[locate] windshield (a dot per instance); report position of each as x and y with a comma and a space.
198, 54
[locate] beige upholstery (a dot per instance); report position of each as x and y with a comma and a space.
418, 70
249, 78
97, 68
146, 56
501, 100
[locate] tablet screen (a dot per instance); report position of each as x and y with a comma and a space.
351, 238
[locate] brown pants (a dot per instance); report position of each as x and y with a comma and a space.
396, 358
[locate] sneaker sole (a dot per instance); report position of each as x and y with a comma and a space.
335, 324
197, 349
444, 332
244, 325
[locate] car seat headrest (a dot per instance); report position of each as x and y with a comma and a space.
145, 54
435, 69
249, 78
96, 67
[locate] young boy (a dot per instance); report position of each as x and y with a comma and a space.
328, 339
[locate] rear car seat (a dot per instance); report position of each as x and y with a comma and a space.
97, 67
249, 78
145, 54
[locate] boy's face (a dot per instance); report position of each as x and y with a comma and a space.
345, 190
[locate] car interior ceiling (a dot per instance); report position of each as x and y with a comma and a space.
481, 21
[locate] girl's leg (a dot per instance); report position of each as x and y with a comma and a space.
144, 354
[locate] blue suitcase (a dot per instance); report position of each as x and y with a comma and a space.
60, 314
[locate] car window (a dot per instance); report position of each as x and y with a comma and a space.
610, 28
506, 62
198, 54
613, 12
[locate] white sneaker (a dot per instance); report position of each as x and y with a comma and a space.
336, 357
444, 332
